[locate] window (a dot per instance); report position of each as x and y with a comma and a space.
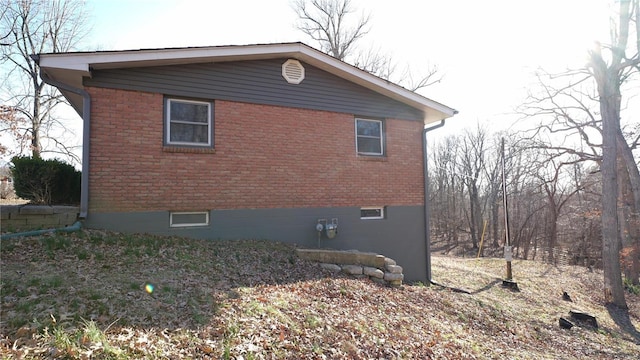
369, 137
372, 213
188, 122
185, 219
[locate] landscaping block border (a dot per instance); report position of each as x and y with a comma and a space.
376, 267
16, 218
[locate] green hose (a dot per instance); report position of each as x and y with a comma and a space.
75, 227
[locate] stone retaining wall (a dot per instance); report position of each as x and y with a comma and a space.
376, 267
16, 218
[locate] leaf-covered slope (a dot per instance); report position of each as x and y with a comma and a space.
106, 295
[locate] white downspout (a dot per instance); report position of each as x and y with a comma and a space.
427, 227
86, 121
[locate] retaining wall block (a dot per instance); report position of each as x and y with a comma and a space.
8, 212
393, 277
68, 218
43, 221
394, 269
60, 209
36, 217
13, 224
357, 264
388, 261
342, 257
36, 210
352, 269
331, 267
373, 272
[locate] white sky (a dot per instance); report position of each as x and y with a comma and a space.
486, 49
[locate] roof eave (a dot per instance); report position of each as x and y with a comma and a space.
70, 68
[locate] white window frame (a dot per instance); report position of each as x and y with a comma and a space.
370, 137
179, 225
168, 123
380, 217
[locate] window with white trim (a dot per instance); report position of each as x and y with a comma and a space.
372, 213
188, 122
369, 137
187, 219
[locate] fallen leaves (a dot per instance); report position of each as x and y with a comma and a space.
105, 295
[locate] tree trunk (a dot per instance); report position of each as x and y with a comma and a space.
495, 221
629, 254
35, 122
553, 237
609, 92
535, 248
631, 221
475, 215
632, 168
609, 79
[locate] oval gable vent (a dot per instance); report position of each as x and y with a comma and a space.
293, 71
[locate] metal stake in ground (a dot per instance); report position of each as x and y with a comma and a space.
508, 253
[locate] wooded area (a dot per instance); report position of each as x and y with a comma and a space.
572, 175
555, 198
554, 202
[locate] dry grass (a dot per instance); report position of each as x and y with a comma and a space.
85, 295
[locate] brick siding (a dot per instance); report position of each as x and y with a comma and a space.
265, 157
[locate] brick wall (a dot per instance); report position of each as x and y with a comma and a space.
265, 157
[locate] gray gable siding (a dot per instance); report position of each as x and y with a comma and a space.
259, 82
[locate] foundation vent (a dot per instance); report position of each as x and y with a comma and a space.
293, 71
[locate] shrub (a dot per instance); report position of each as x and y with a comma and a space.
631, 287
45, 181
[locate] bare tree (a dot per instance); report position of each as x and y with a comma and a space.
467, 184
492, 172
590, 105
558, 192
568, 103
330, 23
14, 126
471, 169
609, 77
325, 21
447, 191
525, 220
30, 27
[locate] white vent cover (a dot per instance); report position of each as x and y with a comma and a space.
293, 71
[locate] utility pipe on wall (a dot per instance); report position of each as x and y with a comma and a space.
86, 120
425, 168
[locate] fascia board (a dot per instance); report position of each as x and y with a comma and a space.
158, 57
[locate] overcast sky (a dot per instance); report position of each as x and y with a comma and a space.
486, 50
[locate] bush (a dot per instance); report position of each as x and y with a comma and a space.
45, 181
631, 287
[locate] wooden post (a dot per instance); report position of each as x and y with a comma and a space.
507, 249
